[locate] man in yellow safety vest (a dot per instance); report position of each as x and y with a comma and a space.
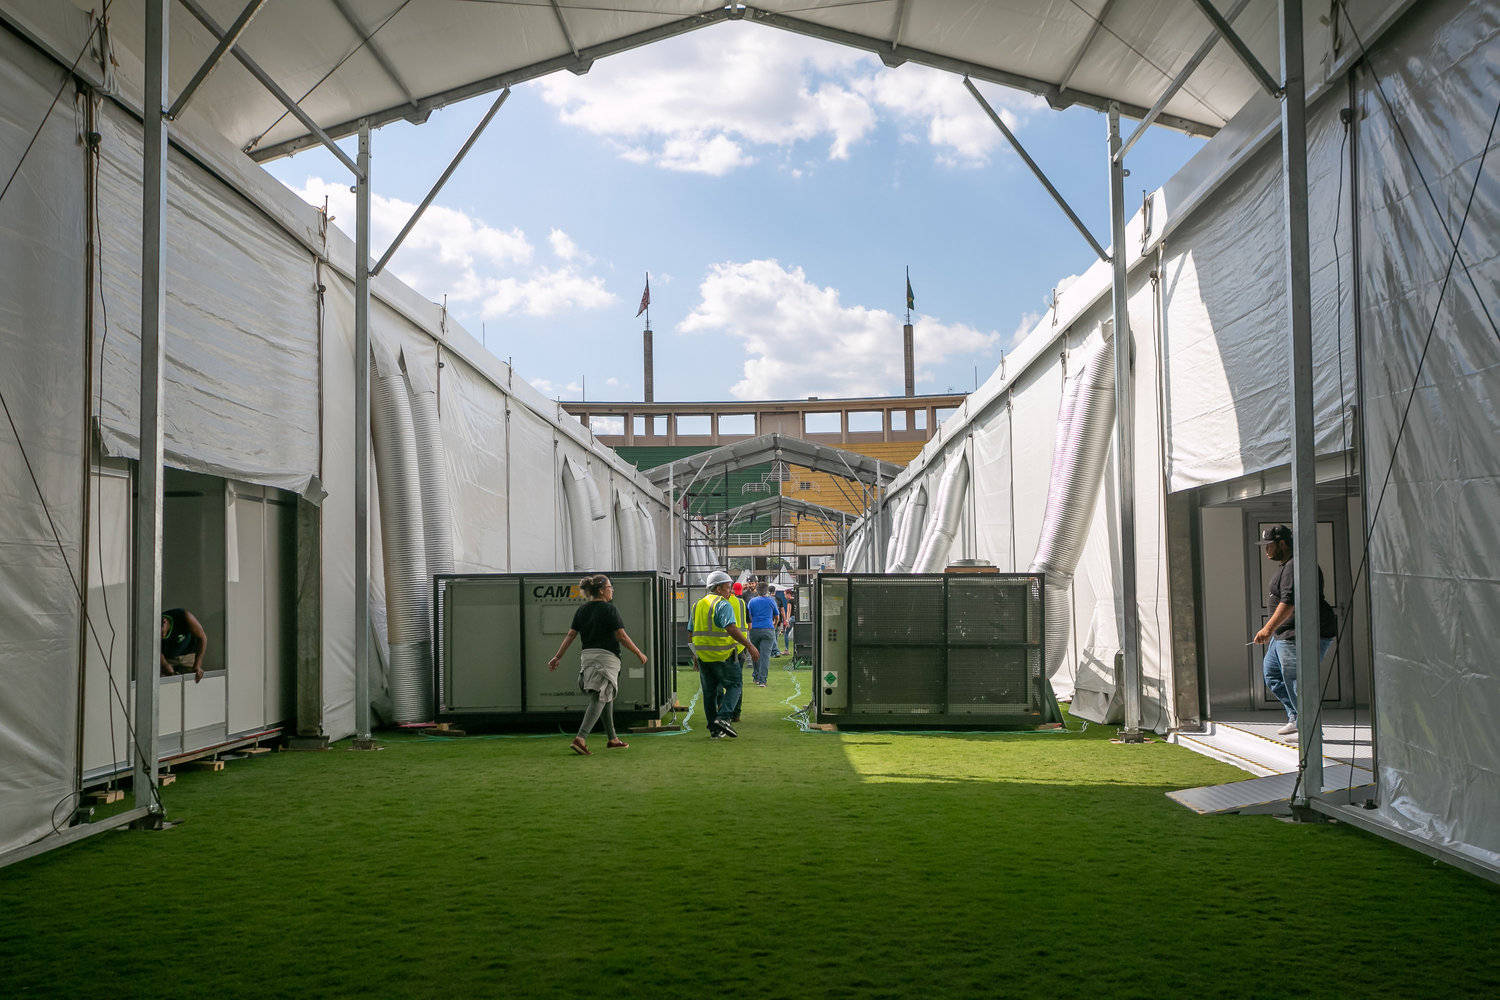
715, 634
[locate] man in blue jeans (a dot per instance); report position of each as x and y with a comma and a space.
762, 632
1279, 634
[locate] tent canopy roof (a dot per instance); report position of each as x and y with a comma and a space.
773, 448
793, 505
386, 60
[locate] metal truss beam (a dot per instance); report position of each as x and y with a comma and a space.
898, 54
1223, 27
575, 63
264, 78
225, 43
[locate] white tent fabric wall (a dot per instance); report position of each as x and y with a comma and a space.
477, 436
337, 542
1224, 345
241, 376
1435, 551
42, 330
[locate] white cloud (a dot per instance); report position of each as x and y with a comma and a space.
475, 264
716, 101
802, 340
612, 382
565, 249
547, 387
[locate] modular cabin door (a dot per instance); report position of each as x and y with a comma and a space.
1333, 559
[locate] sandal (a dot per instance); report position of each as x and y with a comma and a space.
579, 747
616, 744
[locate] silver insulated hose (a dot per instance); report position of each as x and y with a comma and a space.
913, 516
579, 521
630, 533
942, 527
432, 464
892, 543
407, 586
1084, 422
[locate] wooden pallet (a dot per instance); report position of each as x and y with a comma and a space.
105, 796
206, 764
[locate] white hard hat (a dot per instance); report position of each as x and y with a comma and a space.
717, 577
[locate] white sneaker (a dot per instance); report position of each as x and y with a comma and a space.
1291, 737
1288, 729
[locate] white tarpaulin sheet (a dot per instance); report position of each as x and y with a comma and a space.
1224, 333
473, 412
240, 396
44, 340
1435, 552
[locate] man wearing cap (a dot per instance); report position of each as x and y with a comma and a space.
715, 637
732, 690
1279, 634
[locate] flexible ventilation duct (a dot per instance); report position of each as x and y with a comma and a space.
649, 558
597, 510
576, 494
854, 553
432, 464
1084, 423
913, 515
407, 585
942, 527
630, 533
892, 544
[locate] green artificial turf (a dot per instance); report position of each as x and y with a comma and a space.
781, 864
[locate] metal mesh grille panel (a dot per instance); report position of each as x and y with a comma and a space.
991, 612
897, 612
896, 680
988, 680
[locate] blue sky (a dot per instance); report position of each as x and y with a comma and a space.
774, 186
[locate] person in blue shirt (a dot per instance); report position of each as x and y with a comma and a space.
763, 612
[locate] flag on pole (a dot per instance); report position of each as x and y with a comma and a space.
911, 300
645, 297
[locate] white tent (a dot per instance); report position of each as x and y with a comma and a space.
247, 265
1212, 424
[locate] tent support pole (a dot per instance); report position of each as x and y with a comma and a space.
362, 722
1130, 637
1226, 30
1304, 457
146, 583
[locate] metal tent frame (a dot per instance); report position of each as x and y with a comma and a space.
159, 110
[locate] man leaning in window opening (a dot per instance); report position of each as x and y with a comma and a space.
1279, 634
183, 643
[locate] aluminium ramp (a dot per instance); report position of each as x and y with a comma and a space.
1272, 793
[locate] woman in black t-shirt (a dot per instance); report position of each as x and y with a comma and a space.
603, 631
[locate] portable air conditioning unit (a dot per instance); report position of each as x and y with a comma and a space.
496, 632
939, 650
